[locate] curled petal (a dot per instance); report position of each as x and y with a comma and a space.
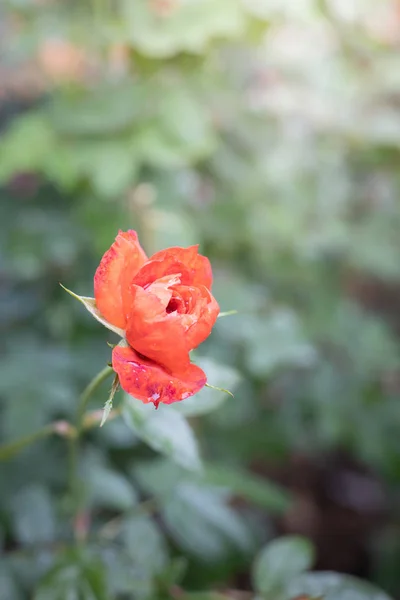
198, 266
116, 270
149, 382
204, 313
150, 272
156, 269
162, 288
156, 334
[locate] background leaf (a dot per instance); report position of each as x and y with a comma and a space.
218, 124
208, 399
280, 561
202, 523
75, 575
248, 486
332, 585
165, 430
34, 516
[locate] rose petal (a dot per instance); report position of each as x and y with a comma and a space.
150, 272
115, 272
157, 269
162, 288
148, 382
198, 266
204, 313
154, 333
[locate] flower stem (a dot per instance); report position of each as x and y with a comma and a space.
74, 482
61, 428
88, 391
71, 433
8, 450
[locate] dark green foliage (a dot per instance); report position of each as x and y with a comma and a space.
267, 132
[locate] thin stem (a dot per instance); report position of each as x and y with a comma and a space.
73, 474
8, 450
88, 391
61, 428
65, 429
74, 441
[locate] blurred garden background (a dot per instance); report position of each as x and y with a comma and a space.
267, 131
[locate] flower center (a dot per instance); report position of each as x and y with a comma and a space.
173, 305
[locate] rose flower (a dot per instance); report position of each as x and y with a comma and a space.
165, 308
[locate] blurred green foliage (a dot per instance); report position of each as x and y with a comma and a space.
268, 132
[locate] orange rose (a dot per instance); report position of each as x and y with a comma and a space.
165, 309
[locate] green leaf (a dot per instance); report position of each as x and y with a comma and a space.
256, 489
102, 110
8, 585
145, 544
76, 575
117, 435
274, 342
156, 150
202, 403
159, 476
281, 560
146, 555
109, 489
33, 515
165, 430
188, 27
212, 397
173, 227
200, 521
181, 131
184, 121
16, 155
174, 573
90, 305
112, 168
331, 586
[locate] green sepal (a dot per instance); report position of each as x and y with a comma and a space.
214, 387
227, 313
90, 305
109, 404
